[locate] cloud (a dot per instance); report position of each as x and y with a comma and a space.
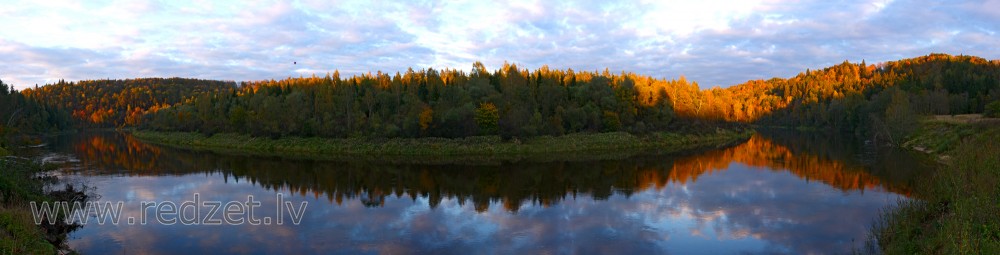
738, 209
729, 208
713, 43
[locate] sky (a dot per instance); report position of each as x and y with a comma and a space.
712, 42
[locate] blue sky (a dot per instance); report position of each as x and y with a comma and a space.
716, 43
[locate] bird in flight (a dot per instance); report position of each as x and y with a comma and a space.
295, 63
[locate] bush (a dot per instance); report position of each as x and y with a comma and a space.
956, 212
992, 110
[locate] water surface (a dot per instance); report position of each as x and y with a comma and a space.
776, 193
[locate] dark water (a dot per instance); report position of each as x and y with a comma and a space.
776, 193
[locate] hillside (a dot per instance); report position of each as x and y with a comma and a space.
117, 103
881, 100
844, 95
18, 114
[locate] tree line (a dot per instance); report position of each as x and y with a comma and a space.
19, 114
511, 102
120, 103
882, 99
928, 85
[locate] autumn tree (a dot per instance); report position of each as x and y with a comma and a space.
899, 116
487, 118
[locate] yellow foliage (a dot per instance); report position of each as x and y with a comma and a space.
426, 118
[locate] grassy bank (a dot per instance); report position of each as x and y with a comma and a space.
959, 212
19, 185
940, 136
440, 149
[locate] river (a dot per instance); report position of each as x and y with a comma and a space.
775, 193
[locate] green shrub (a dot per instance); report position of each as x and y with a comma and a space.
992, 110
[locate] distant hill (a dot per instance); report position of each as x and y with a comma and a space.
836, 96
515, 102
117, 103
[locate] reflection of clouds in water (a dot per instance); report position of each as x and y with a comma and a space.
732, 200
802, 216
739, 210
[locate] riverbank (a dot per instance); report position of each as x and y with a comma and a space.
21, 183
940, 136
960, 208
18, 232
441, 150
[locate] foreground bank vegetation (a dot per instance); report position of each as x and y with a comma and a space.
958, 205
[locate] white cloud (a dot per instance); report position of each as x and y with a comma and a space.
712, 42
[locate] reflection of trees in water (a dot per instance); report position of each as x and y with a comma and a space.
509, 184
764, 153
113, 152
895, 168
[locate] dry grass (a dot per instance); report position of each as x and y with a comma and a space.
964, 119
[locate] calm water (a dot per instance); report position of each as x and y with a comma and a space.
778, 193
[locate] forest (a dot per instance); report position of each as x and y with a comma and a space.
862, 97
882, 100
120, 103
510, 102
19, 114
